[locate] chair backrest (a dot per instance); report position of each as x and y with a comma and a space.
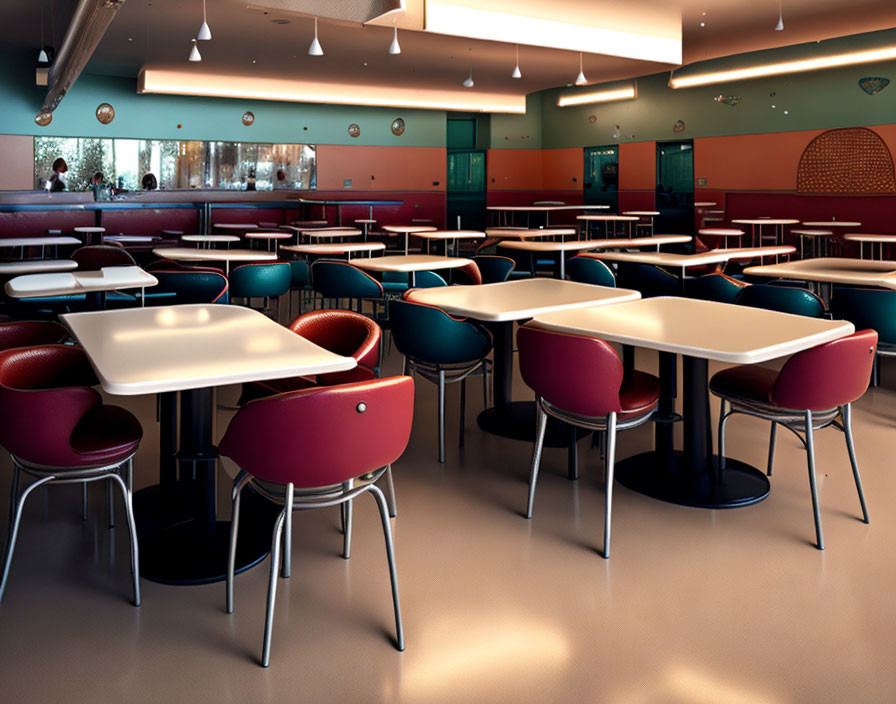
493, 268
193, 286
343, 332
300, 273
95, 256
867, 308
714, 287
783, 299
575, 373
26, 333
334, 279
323, 435
588, 270
429, 334
428, 279
260, 280
44, 393
827, 376
469, 275
650, 280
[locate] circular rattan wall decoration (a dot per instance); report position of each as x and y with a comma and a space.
43, 118
398, 126
105, 113
354, 130
248, 118
849, 160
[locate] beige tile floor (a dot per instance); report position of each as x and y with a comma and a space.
694, 606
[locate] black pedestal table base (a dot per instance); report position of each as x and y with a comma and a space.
176, 548
647, 473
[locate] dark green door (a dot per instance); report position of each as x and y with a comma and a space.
675, 187
601, 184
466, 189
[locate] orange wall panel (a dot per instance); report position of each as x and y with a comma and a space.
514, 169
391, 168
637, 166
560, 167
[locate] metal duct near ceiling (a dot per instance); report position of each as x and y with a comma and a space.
89, 23
350, 11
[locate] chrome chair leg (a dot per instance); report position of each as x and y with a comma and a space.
442, 416
17, 517
610, 464
810, 455
390, 555
132, 533
286, 572
463, 411
110, 508
13, 494
347, 525
272, 590
723, 419
773, 435
84, 501
846, 414
390, 487
231, 553
536, 454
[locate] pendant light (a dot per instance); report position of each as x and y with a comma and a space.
468, 81
194, 52
42, 57
580, 79
516, 69
394, 47
204, 33
315, 49
780, 26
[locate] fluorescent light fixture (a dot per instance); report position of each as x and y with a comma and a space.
645, 33
394, 47
190, 82
606, 95
315, 49
194, 53
776, 69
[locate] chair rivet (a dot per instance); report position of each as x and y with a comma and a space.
361, 407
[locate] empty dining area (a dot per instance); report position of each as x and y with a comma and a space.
472, 353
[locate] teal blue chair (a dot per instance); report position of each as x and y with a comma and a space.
650, 280
797, 301
869, 308
714, 287
494, 268
441, 349
184, 287
266, 280
588, 270
335, 280
300, 280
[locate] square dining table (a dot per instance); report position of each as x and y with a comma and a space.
189, 350
698, 331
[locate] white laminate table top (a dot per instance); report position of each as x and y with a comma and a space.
38, 241
697, 328
89, 229
832, 223
173, 348
547, 208
450, 235
704, 203
549, 246
134, 239
766, 221
411, 262
324, 234
335, 248
268, 236
724, 231
210, 238
636, 242
812, 233
863, 237
519, 300
235, 225
406, 229
215, 255
37, 266
837, 270
110, 278
641, 213
713, 256
609, 218
522, 233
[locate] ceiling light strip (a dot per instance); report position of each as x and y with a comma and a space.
629, 92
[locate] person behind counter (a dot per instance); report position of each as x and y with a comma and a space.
150, 182
57, 180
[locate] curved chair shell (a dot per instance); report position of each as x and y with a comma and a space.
428, 333
650, 280
27, 333
494, 268
260, 280
715, 287
334, 279
193, 286
868, 308
96, 256
343, 332
797, 301
588, 270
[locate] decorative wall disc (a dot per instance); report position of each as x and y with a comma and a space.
43, 118
248, 118
397, 126
354, 130
105, 113
678, 126
873, 84
730, 100
592, 119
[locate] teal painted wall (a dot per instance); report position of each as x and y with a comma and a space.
822, 99
519, 131
158, 116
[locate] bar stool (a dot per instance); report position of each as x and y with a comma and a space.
345, 436
814, 389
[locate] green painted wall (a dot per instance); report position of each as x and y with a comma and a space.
815, 100
158, 116
519, 131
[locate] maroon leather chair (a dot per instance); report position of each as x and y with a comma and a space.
26, 333
814, 389
316, 448
580, 381
57, 430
